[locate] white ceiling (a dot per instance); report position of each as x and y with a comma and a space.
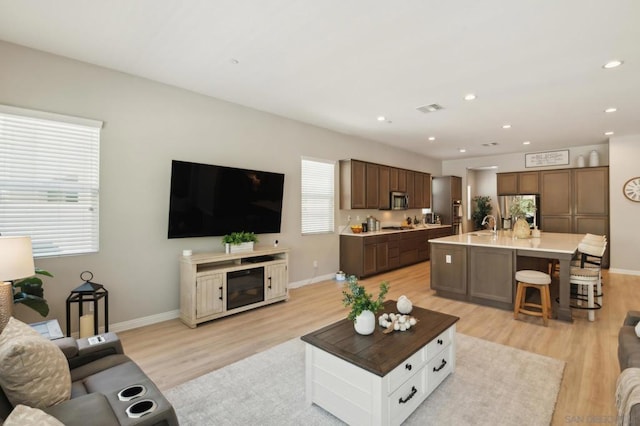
339, 64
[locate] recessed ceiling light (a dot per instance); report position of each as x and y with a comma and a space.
382, 118
462, 150
613, 64
469, 97
608, 133
612, 109
526, 143
506, 126
432, 138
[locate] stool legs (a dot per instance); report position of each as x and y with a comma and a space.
521, 305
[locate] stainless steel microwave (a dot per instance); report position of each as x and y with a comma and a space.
399, 201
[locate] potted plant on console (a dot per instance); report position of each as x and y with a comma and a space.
363, 306
237, 242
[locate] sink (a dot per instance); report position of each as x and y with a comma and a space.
482, 234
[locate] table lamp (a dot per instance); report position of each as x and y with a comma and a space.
16, 261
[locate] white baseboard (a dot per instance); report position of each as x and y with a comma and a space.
312, 280
141, 322
165, 316
623, 271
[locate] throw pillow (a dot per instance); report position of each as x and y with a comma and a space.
638, 329
33, 370
27, 416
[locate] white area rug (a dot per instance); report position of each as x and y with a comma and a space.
493, 384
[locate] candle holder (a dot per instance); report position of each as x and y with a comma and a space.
88, 292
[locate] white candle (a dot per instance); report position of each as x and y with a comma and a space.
86, 325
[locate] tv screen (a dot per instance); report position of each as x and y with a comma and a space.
208, 200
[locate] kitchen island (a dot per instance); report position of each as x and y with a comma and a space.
480, 266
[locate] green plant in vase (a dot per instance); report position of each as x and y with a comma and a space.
29, 292
239, 238
482, 208
363, 305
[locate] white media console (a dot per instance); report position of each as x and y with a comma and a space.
214, 285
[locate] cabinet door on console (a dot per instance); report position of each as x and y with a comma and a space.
276, 281
209, 294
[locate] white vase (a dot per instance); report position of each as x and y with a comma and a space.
594, 159
365, 323
227, 248
521, 228
581, 162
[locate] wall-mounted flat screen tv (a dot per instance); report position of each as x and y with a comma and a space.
208, 200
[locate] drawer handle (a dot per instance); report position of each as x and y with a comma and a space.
413, 392
444, 362
408, 366
440, 341
220, 293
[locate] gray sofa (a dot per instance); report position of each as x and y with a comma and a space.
629, 353
99, 372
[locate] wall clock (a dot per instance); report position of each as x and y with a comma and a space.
631, 189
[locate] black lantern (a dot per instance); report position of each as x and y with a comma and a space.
88, 292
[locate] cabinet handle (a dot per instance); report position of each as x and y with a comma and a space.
220, 293
408, 366
440, 341
413, 392
444, 362
269, 283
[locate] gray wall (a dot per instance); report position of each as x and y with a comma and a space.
148, 124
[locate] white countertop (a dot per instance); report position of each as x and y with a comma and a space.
348, 232
548, 241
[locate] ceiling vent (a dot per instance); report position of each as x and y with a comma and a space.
490, 144
430, 108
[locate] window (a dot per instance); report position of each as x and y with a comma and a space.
49, 180
317, 196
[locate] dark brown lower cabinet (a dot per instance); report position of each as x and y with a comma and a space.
365, 255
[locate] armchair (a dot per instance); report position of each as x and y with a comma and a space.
107, 387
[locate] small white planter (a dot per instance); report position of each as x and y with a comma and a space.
241, 248
365, 323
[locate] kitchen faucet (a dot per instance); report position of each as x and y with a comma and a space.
485, 221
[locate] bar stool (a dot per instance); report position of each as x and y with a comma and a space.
540, 281
588, 277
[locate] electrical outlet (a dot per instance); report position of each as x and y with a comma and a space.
358, 219
315, 263
447, 258
348, 218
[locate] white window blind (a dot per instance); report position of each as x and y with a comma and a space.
318, 197
49, 180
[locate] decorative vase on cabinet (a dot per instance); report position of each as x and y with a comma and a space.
365, 323
521, 228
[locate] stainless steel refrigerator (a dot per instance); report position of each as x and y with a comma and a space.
507, 201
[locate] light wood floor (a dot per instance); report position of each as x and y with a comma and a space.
171, 353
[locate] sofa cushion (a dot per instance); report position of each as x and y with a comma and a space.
27, 416
628, 347
93, 409
33, 370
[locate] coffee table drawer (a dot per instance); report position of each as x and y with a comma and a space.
442, 341
407, 397
406, 369
439, 367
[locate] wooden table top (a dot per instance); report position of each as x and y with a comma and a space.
380, 353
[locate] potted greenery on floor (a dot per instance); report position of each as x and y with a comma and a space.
363, 305
238, 242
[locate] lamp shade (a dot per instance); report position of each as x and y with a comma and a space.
16, 258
